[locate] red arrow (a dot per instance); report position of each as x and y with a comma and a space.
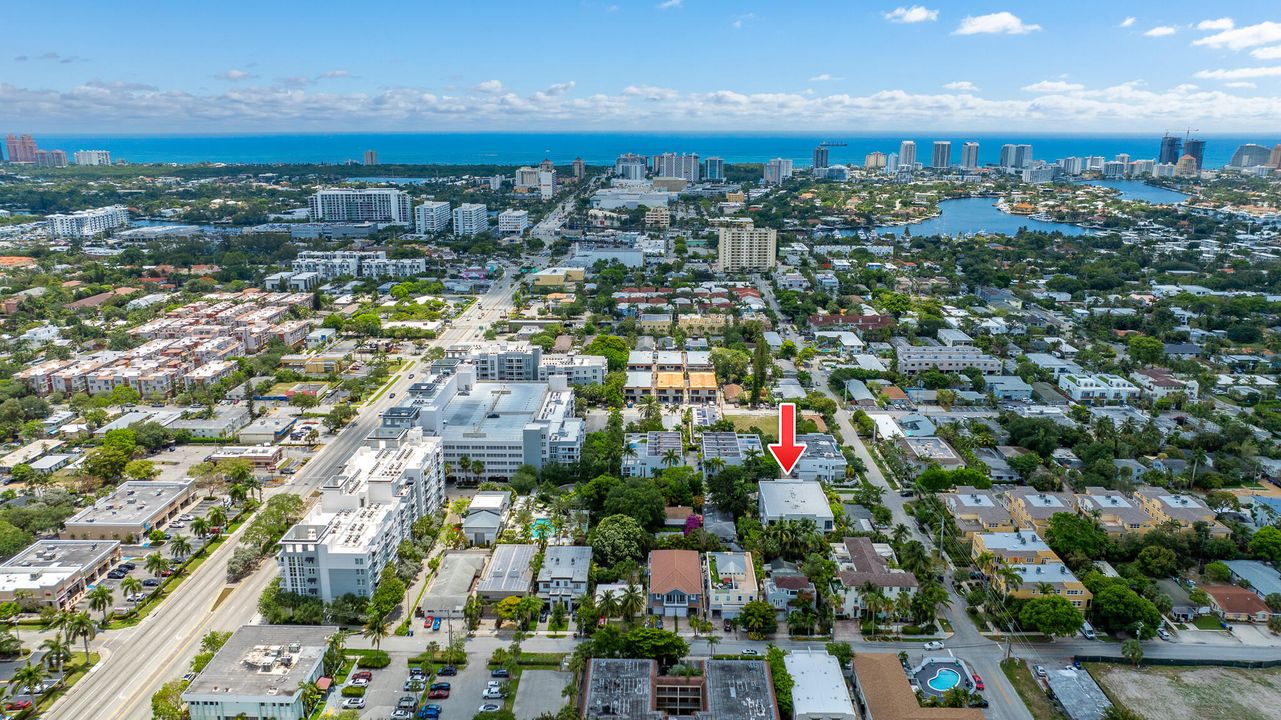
787, 451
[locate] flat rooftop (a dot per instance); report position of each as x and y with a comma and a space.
510, 569
1019, 542
622, 688
46, 563
739, 690
450, 586
262, 660
133, 503
493, 411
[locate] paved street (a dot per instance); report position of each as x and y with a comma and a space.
138, 660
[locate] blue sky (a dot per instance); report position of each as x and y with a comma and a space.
137, 67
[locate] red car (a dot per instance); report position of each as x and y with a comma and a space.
17, 705
437, 694
427, 622
362, 675
978, 682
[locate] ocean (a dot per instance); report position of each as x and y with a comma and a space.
602, 148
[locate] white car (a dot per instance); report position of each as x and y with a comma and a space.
177, 525
360, 682
490, 707
353, 703
492, 693
934, 645
751, 652
188, 517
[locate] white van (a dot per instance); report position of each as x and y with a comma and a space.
1087, 630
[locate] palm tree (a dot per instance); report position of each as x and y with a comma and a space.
156, 564
608, 604
631, 603
478, 469
376, 628
29, 678
1044, 588
310, 695
253, 485
217, 517
237, 494
873, 600
81, 626
200, 527
131, 585
1011, 579
335, 651
57, 619
671, 458
180, 547
100, 599
56, 651
713, 465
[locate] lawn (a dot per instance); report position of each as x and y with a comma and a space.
1030, 690
1208, 622
1192, 693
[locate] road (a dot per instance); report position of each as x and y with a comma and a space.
138, 660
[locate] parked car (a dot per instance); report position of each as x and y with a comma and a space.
360, 682
430, 711
934, 645
435, 624
499, 673
362, 675
447, 671
752, 652
128, 566
430, 619
407, 701
177, 525
1163, 634
17, 705
186, 517
353, 703
1040, 671
489, 707
493, 694
438, 694
978, 682
151, 582
440, 686
402, 713
189, 676
417, 672
117, 574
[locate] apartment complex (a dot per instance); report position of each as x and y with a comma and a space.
92, 157
977, 511
500, 361
513, 222
747, 249
946, 359
260, 672
563, 576
380, 205
85, 224
646, 454
330, 264
499, 425
432, 216
671, 377
730, 580
470, 219
346, 540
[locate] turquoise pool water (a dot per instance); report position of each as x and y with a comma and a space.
945, 679
541, 528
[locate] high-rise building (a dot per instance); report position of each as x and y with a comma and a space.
1142, 167
547, 165
371, 157
546, 184
746, 248
1072, 165
92, 157
970, 155
907, 154
630, 166
1187, 167
87, 223
1164, 170
1122, 158
51, 158
1115, 169
714, 169
891, 163
387, 205
22, 148
1195, 148
820, 157
1171, 149
1250, 155
874, 160
1274, 160
526, 178
1094, 163
580, 168
1016, 156
470, 219
942, 154
432, 216
777, 170
677, 166
512, 221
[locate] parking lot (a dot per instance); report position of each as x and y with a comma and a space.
465, 693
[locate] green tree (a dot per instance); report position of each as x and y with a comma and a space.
28, 680
1078, 539
1218, 572
81, 626
167, 703
1132, 650
1117, 607
760, 369
1158, 562
100, 599
618, 538
1051, 615
1266, 544
1145, 350
759, 619
611, 347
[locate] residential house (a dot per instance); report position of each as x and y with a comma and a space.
1237, 604
1115, 511
861, 563
563, 577
977, 511
1032, 508
730, 583
789, 499
485, 516
675, 583
1174, 508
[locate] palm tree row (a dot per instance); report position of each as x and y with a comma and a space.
626, 606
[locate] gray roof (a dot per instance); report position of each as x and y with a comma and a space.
1079, 695
561, 562
510, 569
1262, 578
253, 662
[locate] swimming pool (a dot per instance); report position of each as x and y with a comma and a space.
541, 528
945, 679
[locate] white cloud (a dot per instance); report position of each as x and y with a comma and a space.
560, 88
1128, 21
333, 74
961, 86
1240, 73
235, 75
247, 107
1240, 84
1223, 23
1161, 31
1267, 53
491, 86
739, 20
669, 4
825, 77
1053, 86
1243, 37
913, 14
1002, 23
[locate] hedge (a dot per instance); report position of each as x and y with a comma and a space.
353, 691
374, 660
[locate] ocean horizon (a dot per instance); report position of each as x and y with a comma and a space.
601, 148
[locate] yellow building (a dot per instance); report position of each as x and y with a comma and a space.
1032, 508
747, 248
703, 324
977, 511
1173, 508
658, 217
1041, 579
559, 276
1010, 548
702, 387
1115, 511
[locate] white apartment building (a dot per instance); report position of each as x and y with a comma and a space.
677, 166
777, 170
513, 222
92, 157
387, 205
364, 513
526, 177
729, 579
87, 223
747, 248
470, 219
356, 263
946, 359
1102, 388
432, 216
631, 167
523, 362
503, 425
823, 459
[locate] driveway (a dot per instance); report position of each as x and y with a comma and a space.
539, 692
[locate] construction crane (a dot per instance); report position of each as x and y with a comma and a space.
1188, 135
